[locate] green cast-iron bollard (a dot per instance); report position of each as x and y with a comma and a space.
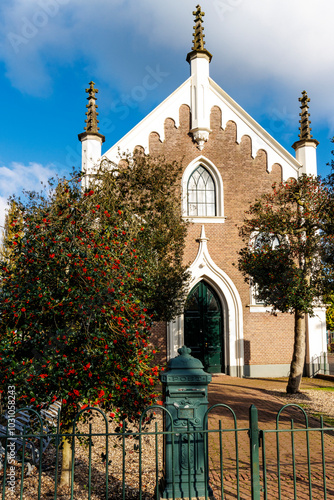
185, 386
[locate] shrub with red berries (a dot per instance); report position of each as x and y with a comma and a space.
80, 292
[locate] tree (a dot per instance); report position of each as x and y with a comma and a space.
11, 231
74, 318
329, 299
294, 275
145, 188
330, 312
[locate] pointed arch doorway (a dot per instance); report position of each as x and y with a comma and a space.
203, 325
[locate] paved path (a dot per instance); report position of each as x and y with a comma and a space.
240, 394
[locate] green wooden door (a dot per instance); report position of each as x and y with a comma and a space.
203, 327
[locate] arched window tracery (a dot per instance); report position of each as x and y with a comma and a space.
201, 194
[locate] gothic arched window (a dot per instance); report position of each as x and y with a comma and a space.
201, 194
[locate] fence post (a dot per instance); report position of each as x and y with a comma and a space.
254, 437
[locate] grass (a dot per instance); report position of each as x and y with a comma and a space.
327, 420
313, 383
328, 389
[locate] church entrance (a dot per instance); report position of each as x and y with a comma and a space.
203, 327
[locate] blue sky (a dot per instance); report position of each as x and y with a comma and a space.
265, 53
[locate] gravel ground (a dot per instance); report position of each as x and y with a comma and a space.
317, 402
98, 467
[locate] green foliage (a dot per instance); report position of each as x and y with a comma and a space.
279, 281
74, 318
11, 231
330, 313
295, 274
144, 188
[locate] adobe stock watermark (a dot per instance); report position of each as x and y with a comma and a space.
224, 7
11, 446
30, 27
123, 106
281, 119
127, 102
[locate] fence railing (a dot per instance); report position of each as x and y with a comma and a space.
290, 459
323, 364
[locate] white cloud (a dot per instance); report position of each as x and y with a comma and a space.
18, 177
287, 43
264, 51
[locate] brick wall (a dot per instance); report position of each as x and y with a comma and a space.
268, 339
159, 342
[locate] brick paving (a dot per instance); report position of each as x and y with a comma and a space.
240, 394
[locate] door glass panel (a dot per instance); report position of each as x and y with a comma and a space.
212, 302
192, 303
203, 327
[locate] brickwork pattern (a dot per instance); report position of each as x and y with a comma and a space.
267, 339
159, 342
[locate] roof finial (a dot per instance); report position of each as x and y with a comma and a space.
91, 128
305, 137
92, 114
305, 129
198, 41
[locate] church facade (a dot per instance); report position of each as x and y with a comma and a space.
228, 160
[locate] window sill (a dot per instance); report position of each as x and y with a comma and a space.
206, 220
259, 308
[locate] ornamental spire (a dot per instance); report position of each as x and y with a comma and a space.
91, 128
92, 114
198, 40
304, 129
306, 146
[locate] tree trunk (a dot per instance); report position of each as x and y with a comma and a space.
66, 465
298, 359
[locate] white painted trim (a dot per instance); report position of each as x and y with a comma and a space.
231, 111
214, 172
264, 371
200, 87
153, 122
205, 220
175, 337
204, 268
91, 147
246, 125
259, 308
316, 336
307, 156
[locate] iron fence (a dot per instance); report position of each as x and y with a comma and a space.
290, 459
322, 365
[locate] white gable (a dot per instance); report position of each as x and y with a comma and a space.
153, 122
205, 99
